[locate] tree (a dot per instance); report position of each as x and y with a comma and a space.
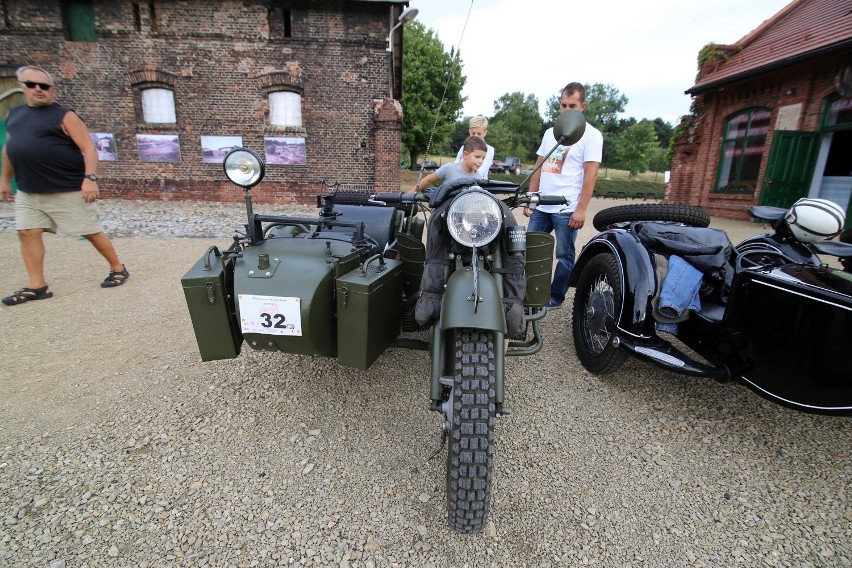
459, 133
636, 147
517, 114
664, 131
427, 71
658, 162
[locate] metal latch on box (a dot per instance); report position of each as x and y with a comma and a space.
211, 291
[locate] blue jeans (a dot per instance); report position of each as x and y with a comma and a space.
565, 253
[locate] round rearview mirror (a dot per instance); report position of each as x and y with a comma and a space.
244, 167
569, 127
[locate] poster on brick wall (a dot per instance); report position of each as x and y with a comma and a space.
215, 148
286, 150
105, 144
158, 147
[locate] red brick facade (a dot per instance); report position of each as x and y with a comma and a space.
771, 120
221, 60
695, 160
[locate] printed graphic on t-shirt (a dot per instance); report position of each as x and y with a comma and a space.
553, 164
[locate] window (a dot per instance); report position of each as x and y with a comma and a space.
839, 113
158, 106
280, 24
742, 151
79, 20
285, 109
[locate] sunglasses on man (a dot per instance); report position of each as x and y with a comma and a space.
33, 84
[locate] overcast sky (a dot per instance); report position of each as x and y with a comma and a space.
647, 50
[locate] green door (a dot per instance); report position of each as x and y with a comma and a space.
792, 159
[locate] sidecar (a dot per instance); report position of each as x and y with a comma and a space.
775, 318
348, 281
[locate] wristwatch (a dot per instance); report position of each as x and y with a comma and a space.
92, 177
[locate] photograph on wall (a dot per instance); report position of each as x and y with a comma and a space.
158, 147
105, 143
215, 148
286, 150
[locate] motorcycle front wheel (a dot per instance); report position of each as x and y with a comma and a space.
471, 435
597, 303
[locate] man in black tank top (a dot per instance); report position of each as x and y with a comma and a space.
50, 152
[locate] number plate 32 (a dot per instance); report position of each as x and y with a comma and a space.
270, 315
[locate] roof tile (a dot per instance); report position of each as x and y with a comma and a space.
803, 27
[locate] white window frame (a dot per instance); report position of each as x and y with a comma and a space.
285, 109
158, 106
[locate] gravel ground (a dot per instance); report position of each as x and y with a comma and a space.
118, 447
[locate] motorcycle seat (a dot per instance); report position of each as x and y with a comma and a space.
766, 212
378, 222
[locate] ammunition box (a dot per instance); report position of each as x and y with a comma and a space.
368, 311
206, 289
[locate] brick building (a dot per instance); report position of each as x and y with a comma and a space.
169, 87
772, 117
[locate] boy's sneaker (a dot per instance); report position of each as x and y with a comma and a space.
553, 305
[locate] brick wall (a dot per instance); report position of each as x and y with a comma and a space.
695, 159
221, 59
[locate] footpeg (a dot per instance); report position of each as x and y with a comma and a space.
501, 409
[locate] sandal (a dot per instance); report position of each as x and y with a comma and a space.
26, 295
116, 278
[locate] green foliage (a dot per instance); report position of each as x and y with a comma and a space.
426, 70
460, 133
499, 138
518, 116
715, 52
658, 161
603, 105
636, 147
664, 131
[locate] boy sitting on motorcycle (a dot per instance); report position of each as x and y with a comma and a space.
473, 154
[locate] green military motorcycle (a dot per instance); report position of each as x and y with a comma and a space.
358, 278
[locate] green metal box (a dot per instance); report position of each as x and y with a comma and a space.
539, 269
368, 311
206, 288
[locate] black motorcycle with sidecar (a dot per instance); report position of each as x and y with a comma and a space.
351, 282
768, 313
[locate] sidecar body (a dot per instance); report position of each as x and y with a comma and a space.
781, 326
302, 286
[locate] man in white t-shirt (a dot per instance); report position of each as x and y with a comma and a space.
571, 172
478, 126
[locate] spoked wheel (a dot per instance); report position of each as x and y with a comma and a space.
597, 303
471, 417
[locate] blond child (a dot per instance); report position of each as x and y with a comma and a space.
478, 126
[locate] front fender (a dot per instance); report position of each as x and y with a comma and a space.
457, 306
638, 278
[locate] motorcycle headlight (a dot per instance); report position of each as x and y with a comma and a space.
474, 218
243, 167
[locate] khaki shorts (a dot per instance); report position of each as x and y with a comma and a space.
64, 210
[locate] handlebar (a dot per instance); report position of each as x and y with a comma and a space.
351, 198
360, 198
